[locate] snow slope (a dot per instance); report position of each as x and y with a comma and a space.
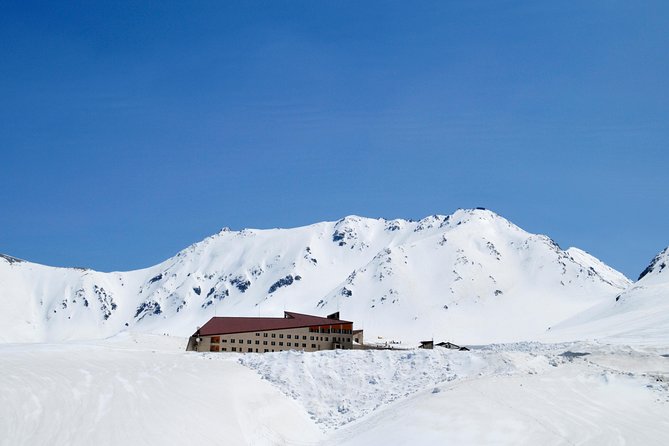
138, 391
640, 314
471, 277
143, 390
538, 396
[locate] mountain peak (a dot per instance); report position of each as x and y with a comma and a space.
658, 265
10, 259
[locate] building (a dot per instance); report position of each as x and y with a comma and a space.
451, 346
294, 331
429, 345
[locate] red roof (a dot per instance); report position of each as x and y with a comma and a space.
229, 325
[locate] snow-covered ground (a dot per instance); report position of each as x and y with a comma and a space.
609, 397
139, 389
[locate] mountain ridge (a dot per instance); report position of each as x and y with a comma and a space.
436, 275
640, 313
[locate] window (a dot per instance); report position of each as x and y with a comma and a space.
311, 338
257, 342
241, 341
224, 349
280, 342
264, 342
224, 340
304, 338
273, 343
304, 345
288, 336
264, 335
250, 350
232, 341
213, 348
215, 339
248, 341
234, 349
313, 345
265, 351
274, 335
257, 334
348, 339
287, 344
281, 335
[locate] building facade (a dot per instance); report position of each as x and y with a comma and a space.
294, 331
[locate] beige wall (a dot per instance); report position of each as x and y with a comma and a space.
261, 341
357, 336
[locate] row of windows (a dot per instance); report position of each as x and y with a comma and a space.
274, 335
215, 348
330, 330
280, 336
217, 339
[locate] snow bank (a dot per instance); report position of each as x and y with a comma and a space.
338, 387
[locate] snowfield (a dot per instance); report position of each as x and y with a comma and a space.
139, 389
639, 314
142, 391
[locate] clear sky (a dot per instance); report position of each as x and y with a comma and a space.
129, 130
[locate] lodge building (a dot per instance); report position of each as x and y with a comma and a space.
294, 331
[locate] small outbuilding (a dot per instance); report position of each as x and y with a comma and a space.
428, 345
451, 346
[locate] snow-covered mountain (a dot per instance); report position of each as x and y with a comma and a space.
656, 269
471, 276
638, 314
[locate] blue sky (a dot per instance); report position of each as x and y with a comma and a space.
131, 130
